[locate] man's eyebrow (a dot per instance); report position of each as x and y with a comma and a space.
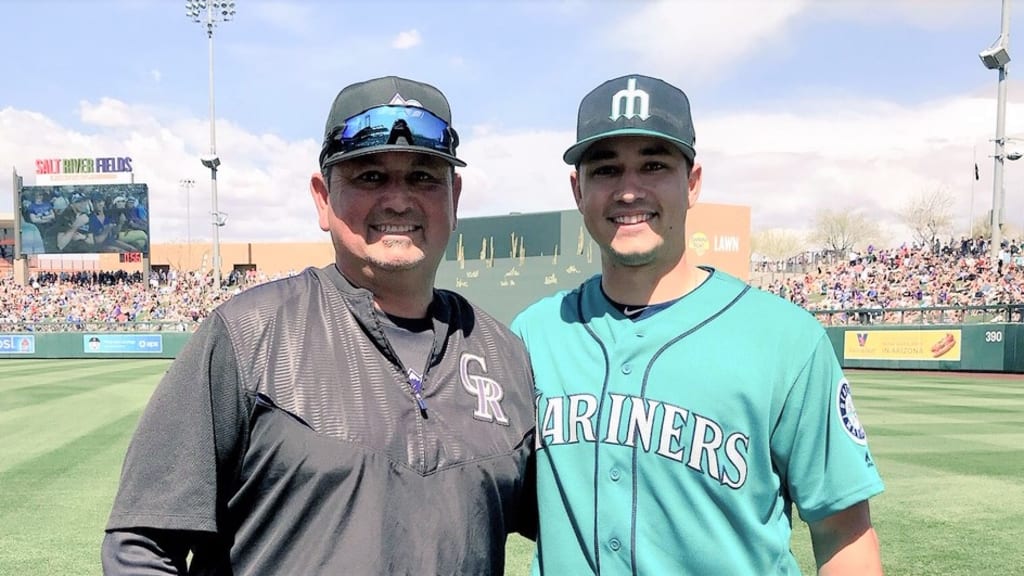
656, 150
600, 155
431, 162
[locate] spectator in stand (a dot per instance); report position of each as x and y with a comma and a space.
910, 276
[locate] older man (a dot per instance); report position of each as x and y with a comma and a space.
351, 419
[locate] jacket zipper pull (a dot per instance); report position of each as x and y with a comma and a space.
416, 382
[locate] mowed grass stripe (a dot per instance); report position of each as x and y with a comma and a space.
953, 497
991, 463
939, 445
53, 508
64, 382
1006, 426
935, 522
17, 372
32, 430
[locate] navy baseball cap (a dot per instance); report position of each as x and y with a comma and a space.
389, 114
634, 105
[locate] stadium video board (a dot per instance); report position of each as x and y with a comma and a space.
85, 219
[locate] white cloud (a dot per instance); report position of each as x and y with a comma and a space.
867, 154
703, 38
156, 75
109, 113
517, 172
406, 39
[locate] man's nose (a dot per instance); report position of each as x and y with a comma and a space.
630, 187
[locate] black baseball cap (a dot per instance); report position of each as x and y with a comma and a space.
634, 105
358, 98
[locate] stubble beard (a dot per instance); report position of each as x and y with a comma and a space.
633, 256
633, 259
407, 259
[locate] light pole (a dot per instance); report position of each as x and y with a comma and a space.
209, 13
997, 57
188, 184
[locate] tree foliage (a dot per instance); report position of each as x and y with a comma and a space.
929, 215
777, 244
839, 231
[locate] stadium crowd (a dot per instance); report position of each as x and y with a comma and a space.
870, 286
911, 276
96, 301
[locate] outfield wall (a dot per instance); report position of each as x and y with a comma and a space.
955, 347
92, 345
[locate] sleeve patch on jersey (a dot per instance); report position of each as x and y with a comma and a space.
848, 414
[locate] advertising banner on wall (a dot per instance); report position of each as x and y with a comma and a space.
122, 343
936, 345
17, 344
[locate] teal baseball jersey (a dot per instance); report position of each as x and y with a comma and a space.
678, 443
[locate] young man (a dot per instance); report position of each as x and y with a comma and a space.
351, 419
681, 413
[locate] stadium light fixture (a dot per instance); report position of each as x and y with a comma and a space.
210, 13
997, 57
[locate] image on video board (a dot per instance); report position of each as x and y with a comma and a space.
85, 219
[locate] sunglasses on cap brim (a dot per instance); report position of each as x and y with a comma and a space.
389, 125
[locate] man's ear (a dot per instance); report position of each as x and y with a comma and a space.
456, 194
574, 182
693, 186
321, 199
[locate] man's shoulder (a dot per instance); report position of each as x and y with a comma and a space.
271, 295
766, 307
551, 306
463, 310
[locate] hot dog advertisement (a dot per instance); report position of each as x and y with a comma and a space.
928, 345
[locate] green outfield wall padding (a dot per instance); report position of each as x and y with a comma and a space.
92, 345
967, 347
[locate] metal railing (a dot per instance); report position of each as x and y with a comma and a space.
987, 314
59, 326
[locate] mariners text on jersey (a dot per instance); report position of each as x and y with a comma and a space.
672, 432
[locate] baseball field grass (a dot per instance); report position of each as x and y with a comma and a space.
950, 448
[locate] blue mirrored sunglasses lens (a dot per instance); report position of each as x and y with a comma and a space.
377, 126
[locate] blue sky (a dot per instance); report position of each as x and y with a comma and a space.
798, 104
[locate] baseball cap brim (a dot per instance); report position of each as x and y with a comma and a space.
342, 156
572, 155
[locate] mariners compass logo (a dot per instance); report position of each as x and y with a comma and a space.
848, 414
